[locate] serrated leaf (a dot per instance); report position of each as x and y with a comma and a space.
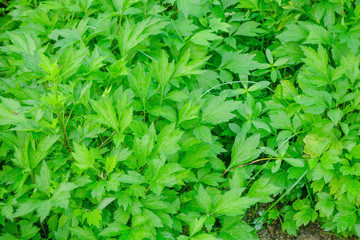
42, 181
110, 163
296, 162
132, 177
203, 199
244, 149
28, 230
233, 229
106, 113
68, 37
83, 233
62, 195
218, 110
325, 205
239, 63
93, 217
189, 7
261, 190
114, 229
83, 157
249, 29
231, 204
44, 209
167, 140
196, 225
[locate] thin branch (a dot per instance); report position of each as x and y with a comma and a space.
250, 163
106, 140
63, 129
247, 164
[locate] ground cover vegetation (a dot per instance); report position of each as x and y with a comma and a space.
145, 119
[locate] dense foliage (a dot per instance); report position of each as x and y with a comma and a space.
145, 119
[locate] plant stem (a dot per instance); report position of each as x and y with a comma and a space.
63, 129
43, 229
119, 24
258, 160
106, 140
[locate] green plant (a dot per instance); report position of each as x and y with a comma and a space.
170, 119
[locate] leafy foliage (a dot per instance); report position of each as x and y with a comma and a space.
170, 119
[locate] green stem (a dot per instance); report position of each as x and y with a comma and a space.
286, 193
63, 129
119, 24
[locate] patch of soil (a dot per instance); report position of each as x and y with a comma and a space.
313, 231
273, 231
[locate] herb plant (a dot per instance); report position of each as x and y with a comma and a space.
145, 119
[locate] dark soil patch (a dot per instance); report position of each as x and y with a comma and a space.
273, 230
313, 231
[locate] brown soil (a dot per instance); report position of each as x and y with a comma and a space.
313, 231
273, 231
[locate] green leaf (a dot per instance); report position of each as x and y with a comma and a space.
42, 181
355, 151
204, 37
114, 229
281, 120
261, 189
293, 33
239, 63
316, 60
184, 27
71, 60
62, 195
140, 80
259, 85
188, 112
83, 157
325, 205
231, 204
317, 35
203, 236
196, 225
167, 141
154, 202
83, 233
68, 37
131, 35
235, 229
10, 116
335, 115
105, 202
106, 113
28, 230
289, 224
218, 110
110, 163
25, 208
217, 25
44, 209
345, 220
196, 156
249, 29
296, 162
132, 177
350, 36
315, 145
203, 199
244, 149
189, 7
93, 217
187, 67
305, 213
163, 70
